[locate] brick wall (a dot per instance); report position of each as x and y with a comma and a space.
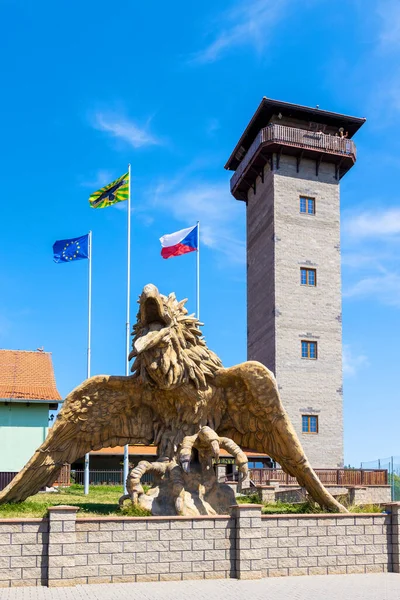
321, 545
65, 551
23, 552
359, 495
154, 549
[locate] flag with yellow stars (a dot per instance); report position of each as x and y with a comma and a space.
116, 191
72, 249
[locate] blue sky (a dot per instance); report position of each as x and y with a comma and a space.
88, 87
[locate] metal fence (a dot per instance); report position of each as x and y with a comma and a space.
392, 464
98, 477
6, 478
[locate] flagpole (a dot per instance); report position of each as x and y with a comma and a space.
198, 272
128, 300
86, 472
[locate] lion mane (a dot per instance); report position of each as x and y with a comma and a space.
181, 355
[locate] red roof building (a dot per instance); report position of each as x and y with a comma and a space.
27, 391
26, 375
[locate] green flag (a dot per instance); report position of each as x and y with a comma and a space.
110, 194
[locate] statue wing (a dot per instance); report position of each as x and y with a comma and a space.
103, 411
255, 418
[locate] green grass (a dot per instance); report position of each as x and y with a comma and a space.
250, 499
101, 500
287, 508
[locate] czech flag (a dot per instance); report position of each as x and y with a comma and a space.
180, 242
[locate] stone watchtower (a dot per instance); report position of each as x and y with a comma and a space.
288, 165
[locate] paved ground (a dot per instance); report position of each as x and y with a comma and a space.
318, 587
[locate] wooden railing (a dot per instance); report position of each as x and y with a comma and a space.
64, 477
299, 138
327, 476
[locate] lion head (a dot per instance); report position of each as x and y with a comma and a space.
168, 346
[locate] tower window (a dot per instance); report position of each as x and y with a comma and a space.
308, 276
309, 424
308, 349
307, 205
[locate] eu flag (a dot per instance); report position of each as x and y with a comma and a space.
72, 249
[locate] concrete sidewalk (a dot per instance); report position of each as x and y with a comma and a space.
385, 586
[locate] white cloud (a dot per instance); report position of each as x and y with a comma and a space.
100, 179
374, 224
221, 218
384, 287
360, 260
381, 65
247, 23
389, 33
212, 126
371, 251
389, 97
124, 129
352, 362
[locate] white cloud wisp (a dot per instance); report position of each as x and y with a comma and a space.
389, 33
352, 363
101, 178
373, 224
124, 129
247, 23
212, 205
372, 243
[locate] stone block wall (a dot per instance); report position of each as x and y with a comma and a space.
24, 552
358, 495
325, 544
373, 494
156, 549
66, 551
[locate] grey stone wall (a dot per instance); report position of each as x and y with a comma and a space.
325, 544
154, 549
23, 552
358, 495
65, 551
281, 312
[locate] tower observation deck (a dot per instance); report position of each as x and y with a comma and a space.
288, 164
287, 129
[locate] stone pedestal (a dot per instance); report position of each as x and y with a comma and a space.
244, 484
248, 540
267, 493
220, 473
234, 486
198, 493
394, 509
62, 539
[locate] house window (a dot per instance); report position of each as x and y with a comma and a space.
309, 424
308, 276
307, 205
308, 349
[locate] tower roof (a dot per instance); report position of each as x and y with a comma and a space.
26, 375
268, 107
